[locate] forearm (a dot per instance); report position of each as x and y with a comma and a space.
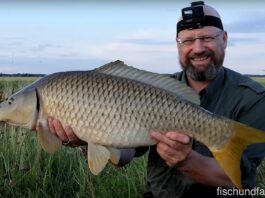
204, 170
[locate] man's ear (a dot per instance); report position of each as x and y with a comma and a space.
225, 37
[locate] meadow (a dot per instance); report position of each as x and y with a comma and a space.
27, 171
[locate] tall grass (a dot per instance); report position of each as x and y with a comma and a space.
27, 171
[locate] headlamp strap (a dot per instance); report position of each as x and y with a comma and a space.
207, 21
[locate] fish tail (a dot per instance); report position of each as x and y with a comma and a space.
229, 157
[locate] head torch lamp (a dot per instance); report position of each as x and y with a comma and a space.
193, 17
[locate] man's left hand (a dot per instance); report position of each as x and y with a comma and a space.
173, 147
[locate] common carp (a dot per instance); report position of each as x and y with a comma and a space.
116, 106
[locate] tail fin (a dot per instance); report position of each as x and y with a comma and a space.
229, 157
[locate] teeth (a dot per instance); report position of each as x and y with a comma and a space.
200, 58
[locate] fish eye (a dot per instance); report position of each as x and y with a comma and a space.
10, 102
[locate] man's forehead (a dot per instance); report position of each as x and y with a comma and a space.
198, 31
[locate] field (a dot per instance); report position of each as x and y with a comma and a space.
27, 171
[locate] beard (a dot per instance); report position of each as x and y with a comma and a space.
209, 71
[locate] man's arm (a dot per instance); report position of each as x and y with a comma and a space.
176, 150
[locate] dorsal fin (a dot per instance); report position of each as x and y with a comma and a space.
118, 68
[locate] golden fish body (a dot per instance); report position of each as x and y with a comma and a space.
118, 112
109, 109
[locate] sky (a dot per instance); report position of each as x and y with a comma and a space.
50, 36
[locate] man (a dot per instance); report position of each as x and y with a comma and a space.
179, 166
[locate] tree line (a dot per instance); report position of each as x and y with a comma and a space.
21, 75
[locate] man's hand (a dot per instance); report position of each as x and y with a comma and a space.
66, 134
173, 147
176, 149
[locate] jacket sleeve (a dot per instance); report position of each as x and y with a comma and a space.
127, 155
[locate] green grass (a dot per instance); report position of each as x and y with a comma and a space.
9, 85
261, 80
27, 171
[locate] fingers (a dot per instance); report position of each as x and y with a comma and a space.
171, 138
70, 134
60, 132
66, 134
182, 138
51, 127
165, 150
173, 147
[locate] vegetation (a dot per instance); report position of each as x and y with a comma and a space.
27, 171
259, 79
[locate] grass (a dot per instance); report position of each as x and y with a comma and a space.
27, 171
261, 80
9, 85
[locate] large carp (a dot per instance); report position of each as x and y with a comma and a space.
117, 106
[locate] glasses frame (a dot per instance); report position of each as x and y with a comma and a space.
204, 39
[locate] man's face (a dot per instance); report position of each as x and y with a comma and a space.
202, 58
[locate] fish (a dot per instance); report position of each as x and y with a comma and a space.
116, 106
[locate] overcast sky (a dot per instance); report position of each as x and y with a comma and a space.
75, 35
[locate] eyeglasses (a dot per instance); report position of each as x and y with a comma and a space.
204, 39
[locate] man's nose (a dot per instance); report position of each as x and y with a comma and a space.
198, 46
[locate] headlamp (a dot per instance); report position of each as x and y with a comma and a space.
193, 17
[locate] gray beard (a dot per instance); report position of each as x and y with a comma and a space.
208, 75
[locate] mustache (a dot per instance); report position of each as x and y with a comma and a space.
200, 55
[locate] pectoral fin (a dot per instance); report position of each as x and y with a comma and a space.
98, 156
48, 141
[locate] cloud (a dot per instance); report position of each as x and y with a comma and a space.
246, 59
49, 65
13, 48
11, 42
156, 57
246, 38
147, 41
10, 69
247, 23
150, 49
44, 47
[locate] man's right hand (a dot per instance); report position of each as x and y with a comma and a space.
66, 134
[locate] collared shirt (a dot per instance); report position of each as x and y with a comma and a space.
231, 95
